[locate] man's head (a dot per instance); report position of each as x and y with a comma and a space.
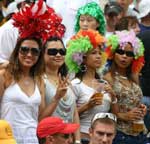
54, 130
125, 3
113, 12
103, 128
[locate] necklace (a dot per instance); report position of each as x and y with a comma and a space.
27, 81
52, 80
122, 77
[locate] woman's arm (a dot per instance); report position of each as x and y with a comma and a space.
2, 87
76, 120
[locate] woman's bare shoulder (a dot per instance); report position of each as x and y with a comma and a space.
108, 77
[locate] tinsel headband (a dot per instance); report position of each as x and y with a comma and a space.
94, 10
119, 40
79, 45
38, 20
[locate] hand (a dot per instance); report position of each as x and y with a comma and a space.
108, 89
143, 109
134, 114
96, 99
62, 87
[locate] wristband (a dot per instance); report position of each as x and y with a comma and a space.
77, 142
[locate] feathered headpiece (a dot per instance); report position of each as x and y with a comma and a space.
94, 10
79, 45
119, 40
38, 20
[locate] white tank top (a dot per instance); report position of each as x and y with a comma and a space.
21, 111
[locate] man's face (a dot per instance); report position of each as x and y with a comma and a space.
112, 19
125, 3
62, 139
102, 133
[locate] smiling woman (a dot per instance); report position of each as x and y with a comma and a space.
21, 89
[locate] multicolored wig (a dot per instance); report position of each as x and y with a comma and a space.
119, 40
79, 45
94, 10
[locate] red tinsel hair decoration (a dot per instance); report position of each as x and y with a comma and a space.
38, 20
138, 64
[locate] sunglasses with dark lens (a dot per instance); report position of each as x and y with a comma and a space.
25, 50
122, 52
55, 51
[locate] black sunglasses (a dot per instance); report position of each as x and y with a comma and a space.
54, 51
25, 50
122, 52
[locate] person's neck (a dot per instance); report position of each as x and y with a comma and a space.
52, 72
89, 75
121, 72
110, 28
26, 72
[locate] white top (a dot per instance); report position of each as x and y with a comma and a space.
21, 111
65, 109
67, 9
8, 39
83, 94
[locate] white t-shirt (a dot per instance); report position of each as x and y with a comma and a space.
8, 39
83, 94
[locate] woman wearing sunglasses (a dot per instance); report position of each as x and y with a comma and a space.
19, 90
125, 54
55, 69
84, 57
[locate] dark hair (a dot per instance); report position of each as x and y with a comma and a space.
124, 23
14, 65
26, 1
42, 140
63, 69
112, 5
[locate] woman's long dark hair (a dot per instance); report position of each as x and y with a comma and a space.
63, 69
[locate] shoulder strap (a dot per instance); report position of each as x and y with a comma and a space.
41, 85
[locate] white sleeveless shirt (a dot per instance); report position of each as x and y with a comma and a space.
21, 111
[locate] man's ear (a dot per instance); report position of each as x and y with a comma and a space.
90, 132
49, 139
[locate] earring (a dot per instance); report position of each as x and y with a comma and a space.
83, 68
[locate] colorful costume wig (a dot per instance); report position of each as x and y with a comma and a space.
79, 45
119, 40
94, 10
